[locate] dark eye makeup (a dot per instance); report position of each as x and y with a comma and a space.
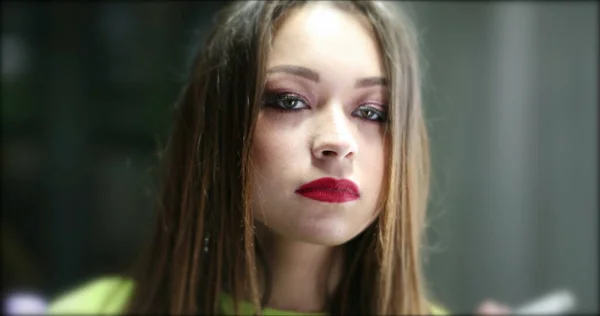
370, 113
289, 101
286, 101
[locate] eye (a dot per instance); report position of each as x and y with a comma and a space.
370, 113
286, 101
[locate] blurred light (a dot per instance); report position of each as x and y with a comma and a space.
24, 304
14, 56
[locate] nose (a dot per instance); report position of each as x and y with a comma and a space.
333, 138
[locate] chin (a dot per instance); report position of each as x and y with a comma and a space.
324, 233
326, 225
322, 240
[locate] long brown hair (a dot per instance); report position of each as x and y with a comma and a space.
204, 240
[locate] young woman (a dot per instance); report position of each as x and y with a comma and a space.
296, 175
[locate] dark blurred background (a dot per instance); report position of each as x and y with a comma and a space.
511, 95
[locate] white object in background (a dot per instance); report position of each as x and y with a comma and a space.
25, 304
554, 303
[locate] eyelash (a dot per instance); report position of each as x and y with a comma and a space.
272, 100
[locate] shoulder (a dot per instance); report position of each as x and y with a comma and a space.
106, 295
438, 310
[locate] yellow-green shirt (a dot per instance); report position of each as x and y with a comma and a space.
108, 295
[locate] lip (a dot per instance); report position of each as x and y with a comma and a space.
330, 190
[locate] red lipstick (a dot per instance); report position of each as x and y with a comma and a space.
330, 190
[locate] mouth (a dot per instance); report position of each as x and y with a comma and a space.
330, 190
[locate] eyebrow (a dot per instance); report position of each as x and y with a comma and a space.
371, 81
314, 76
297, 71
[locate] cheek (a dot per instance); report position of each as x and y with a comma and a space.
265, 147
373, 152
273, 149
373, 166
272, 161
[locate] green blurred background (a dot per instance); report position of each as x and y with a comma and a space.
511, 95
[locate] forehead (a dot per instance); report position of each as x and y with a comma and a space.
323, 37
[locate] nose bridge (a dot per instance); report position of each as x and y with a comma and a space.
334, 121
333, 133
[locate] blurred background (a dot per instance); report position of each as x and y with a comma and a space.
511, 95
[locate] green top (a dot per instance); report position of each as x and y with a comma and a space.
108, 295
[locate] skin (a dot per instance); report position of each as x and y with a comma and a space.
325, 128
333, 131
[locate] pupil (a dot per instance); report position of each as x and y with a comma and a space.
289, 103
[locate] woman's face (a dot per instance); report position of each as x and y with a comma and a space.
324, 117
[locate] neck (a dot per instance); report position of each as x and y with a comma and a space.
302, 276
